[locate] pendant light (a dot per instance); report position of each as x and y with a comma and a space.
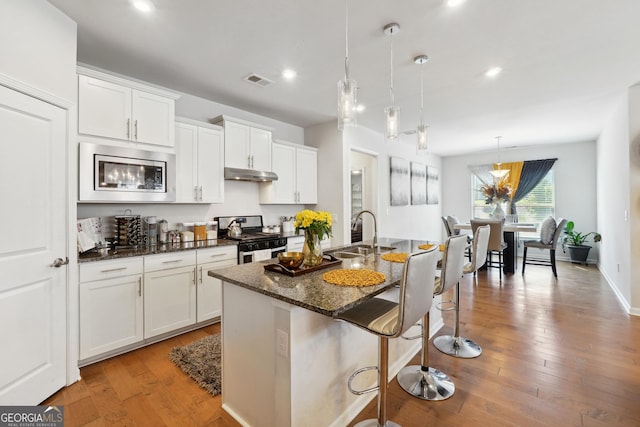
346, 88
392, 111
499, 173
421, 130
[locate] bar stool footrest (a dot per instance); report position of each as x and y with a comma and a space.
358, 372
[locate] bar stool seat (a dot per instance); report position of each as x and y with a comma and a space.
423, 381
454, 344
388, 319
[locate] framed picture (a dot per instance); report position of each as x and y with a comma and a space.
418, 184
399, 186
433, 186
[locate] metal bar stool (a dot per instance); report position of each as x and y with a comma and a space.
423, 381
455, 345
388, 319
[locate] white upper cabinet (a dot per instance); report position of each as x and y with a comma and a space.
246, 145
297, 170
112, 107
199, 162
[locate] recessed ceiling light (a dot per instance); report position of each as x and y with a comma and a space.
493, 71
360, 108
455, 3
289, 74
145, 6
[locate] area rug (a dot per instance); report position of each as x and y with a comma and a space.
201, 361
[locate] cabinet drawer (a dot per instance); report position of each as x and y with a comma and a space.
222, 253
109, 269
165, 261
295, 244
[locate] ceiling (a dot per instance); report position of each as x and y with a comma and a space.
565, 62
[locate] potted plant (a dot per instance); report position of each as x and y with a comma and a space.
574, 241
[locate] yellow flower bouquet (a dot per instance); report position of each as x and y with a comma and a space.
316, 225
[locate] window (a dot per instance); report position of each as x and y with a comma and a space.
534, 208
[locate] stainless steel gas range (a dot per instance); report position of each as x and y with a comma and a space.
253, 243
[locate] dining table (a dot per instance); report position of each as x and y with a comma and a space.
509, 232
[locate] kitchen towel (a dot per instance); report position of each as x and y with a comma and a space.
261, 255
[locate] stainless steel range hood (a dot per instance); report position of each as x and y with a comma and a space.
249, 175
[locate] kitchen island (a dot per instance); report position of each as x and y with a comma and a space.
286, 360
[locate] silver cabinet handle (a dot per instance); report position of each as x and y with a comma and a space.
128, 128
217, 255
139, 286
59, 262
200, 196
113, 269
195, 193
200, 275
171, 261
249, 162
135, 127
193, 276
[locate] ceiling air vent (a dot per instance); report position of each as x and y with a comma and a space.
258, 80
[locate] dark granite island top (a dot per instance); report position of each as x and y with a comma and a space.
309, 290
280, 336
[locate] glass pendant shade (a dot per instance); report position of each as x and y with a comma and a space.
347, 89
499, 173
391, 129
421, 132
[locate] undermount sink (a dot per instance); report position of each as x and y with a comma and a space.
359, 250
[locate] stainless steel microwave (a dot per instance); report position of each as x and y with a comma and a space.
117, 174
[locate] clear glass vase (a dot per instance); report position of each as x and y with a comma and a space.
312, 249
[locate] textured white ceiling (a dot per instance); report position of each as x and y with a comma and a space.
566, 62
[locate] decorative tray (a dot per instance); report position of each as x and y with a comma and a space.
328, 260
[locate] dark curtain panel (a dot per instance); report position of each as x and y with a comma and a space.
532, 173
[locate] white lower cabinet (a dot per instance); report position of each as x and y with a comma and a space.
111, 308
169, 292
209, 296
124, 302
295, 244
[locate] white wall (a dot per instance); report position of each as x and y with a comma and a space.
574, 173
38, 45
613, 192
411, 222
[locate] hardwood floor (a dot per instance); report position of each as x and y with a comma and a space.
555, 353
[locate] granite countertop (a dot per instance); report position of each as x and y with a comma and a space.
309, 290
160, 249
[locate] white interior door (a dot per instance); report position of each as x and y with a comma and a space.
33, 194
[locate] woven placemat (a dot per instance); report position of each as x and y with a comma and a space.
351, 277
427, 246
395, 257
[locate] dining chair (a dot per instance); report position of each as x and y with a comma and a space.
496, 240
550, 232
449, 222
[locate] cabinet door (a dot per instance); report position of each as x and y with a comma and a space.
110, 314
260, 149
210, 290
186, 155
169, 300
236, 145
153, 118
104, 109
283, 161
307, 176
210, 165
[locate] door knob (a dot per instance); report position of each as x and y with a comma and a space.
59, 262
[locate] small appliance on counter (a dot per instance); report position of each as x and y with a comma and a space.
287, 224
129, 231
